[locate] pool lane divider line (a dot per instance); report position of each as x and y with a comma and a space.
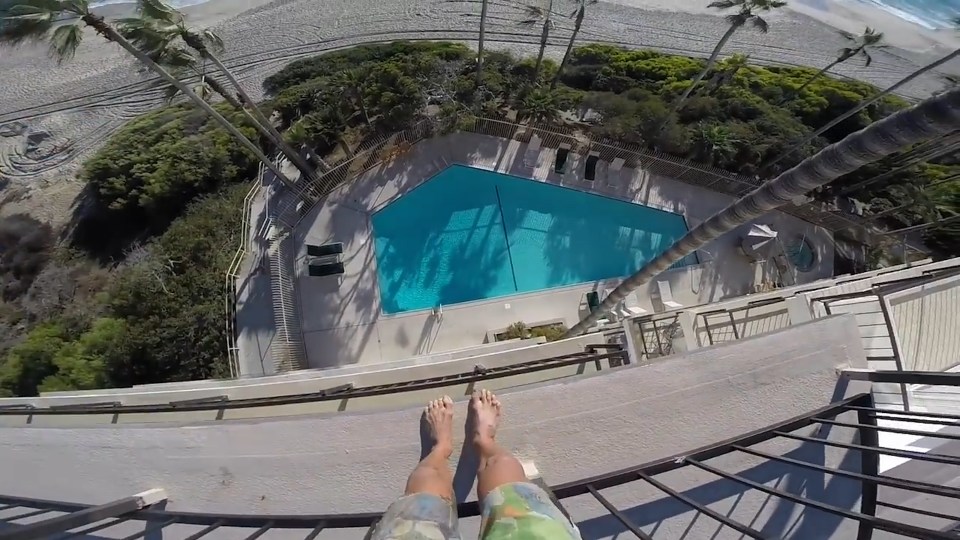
506, 239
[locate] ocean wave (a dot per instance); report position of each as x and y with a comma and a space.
930, 14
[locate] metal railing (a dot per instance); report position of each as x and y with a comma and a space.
232, 274
617, 357
887, 500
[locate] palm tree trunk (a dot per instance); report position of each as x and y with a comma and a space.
931, 118
228, 97
566, 55
543, 47
362, 107
107, 31
259, 119
862, 106
483, 30
710, 62
815, 77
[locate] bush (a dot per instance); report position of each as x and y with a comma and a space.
25, 246
149, 170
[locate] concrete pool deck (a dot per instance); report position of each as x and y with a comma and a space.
342, 321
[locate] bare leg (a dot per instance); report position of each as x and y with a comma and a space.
497, 466
432, 475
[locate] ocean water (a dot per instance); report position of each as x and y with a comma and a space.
931, 14
470, 234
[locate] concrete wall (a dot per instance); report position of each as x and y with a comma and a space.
587, 426
413, 369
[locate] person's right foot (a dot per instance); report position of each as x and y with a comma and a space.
483, 419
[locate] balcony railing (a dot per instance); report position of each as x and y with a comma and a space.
135, 518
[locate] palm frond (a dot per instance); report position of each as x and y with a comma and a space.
64, 42
736, 19
170, 93
535, 11
157, 10
760, 24
26, 23
724, 4
212, 40
867, 58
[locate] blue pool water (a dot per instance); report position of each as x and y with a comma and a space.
470, 234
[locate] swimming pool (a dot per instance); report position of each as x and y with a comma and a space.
471, 234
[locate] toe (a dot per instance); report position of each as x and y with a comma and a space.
447, 402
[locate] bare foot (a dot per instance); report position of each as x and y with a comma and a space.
483, 419
439, 416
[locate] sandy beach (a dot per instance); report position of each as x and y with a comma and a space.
76, 106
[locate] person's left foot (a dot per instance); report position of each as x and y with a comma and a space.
439, 416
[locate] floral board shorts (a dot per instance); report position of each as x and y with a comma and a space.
519, 511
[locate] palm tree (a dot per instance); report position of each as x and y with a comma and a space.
59, 22
728, 69
747, 13
860, 45
538, 105
352, 83
864, 104
578, 15
931, 118
714, 143
483, 30
536, 14
156, 30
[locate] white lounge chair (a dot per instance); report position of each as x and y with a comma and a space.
532, 156
631, 307
613, 172
666, 295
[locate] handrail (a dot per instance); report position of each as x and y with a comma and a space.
860, 414
232, 273
329, 394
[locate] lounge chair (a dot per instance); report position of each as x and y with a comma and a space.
590, 171
329, 269
532, 156
325, 250
593, 300
666, 295
563, 152
613, 172
631, 307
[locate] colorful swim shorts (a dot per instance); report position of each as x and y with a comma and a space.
519, 511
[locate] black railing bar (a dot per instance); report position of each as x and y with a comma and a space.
149, 528
84, 516
878, 523
631, 526
934, 434
921, 511
622, 476
211, 399
917, 421
316, 531
25, 515
336, 389
17, 406
743, 529
899, 483
424, 384
100, 405
260, 532
906, 414
296, 521
909, 416
206, 530
95, 528
930, 378
920, 456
